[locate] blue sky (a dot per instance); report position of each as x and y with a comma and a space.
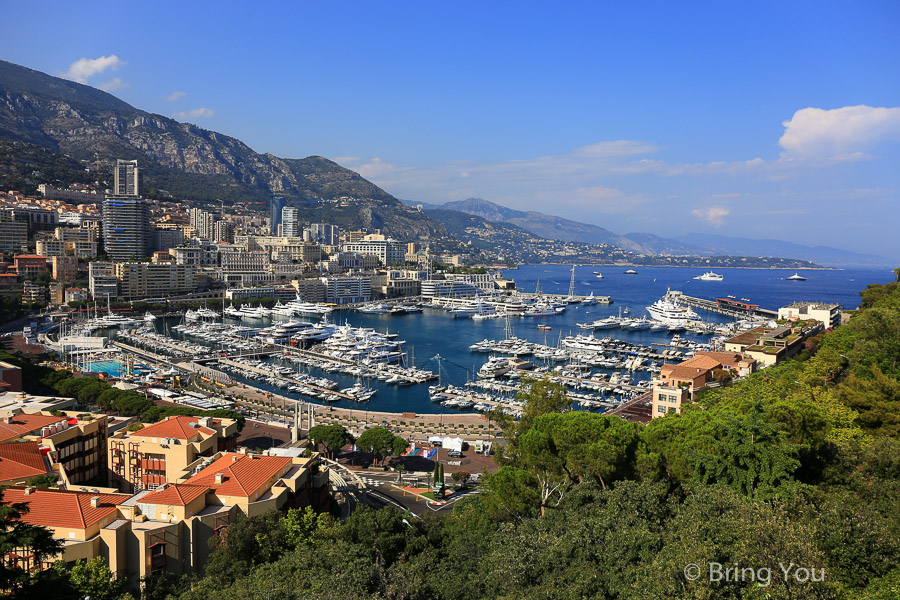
755, 119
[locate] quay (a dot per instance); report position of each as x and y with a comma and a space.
259, 371
730, 307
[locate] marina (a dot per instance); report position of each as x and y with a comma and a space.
392, 355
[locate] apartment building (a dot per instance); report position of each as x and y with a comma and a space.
159, 453
678, 384
828, 314
13, 235
147, 280
29, 265
244, 262
772, 345
346, 290
102, 281
64, 268
388, 251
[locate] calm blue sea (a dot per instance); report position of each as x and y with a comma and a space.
435, 332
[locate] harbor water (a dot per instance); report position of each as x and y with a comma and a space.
435, 333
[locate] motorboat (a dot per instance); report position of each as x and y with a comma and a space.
710, 276
631, 272
796, 277
666, 311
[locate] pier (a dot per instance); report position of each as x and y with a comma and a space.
737, 309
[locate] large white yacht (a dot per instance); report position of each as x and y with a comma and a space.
710, 276
668, 312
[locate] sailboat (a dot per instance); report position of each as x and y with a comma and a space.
571, 299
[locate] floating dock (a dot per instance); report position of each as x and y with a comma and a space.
731, 307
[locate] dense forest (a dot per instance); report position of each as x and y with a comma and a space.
782, 486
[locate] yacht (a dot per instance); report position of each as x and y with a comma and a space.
283, 332
796, 277
668, 312
710, 276
375, 309
598, 275
589, 300
631, 272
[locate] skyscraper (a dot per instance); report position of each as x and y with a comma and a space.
126, 178
275, 215
126, 217
126, 228
290, 221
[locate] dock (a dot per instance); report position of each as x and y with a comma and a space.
737, 309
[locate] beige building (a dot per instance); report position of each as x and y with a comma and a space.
167, 529
147, 280
678, 384
771, 345
829, 314
65, 268
160, 453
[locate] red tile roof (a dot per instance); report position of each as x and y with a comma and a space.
178, 427
23, 424
20, 460
63, 508
175, 494
242, 474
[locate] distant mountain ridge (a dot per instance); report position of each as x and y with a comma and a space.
693, 244
721, 244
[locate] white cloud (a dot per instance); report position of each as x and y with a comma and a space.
714, 215
378, 169
194, 113
175, 96
841, 133
84, 68
113, 85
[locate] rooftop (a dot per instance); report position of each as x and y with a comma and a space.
23, 424
178, 427
175, 494
63, 508
20, 460
242, 474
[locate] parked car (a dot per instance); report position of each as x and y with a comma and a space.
455, 454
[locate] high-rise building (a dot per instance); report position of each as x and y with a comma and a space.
223, 232
275, 215
323, 233
126, 178
204, 222
126, 227
290, 221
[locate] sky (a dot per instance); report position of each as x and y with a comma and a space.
750, 119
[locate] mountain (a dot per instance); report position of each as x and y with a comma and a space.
826, 255
654, 244
186, 162
543, 225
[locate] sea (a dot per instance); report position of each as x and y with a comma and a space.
435, 338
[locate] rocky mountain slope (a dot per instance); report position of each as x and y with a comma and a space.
184, 161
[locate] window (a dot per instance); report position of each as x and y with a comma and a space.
661, 409
671, 409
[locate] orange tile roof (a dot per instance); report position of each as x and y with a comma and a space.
63, 508
19, 460
242, 474
23, 424
178, 427
175, 494
727, 359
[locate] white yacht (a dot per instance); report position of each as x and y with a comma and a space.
631, 272
598, 275
710, 276
796, 277
589, 300
668, 312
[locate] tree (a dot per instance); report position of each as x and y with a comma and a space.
380, 442
332, 437
400, 468
95, 580
460, 477
301, 524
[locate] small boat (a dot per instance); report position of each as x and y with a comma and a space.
630, 272
796, 277
598, 275
544, 327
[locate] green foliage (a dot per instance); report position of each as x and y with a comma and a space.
94, 579
380, 442
332, 437
42, 481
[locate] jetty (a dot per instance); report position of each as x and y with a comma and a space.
731, 307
